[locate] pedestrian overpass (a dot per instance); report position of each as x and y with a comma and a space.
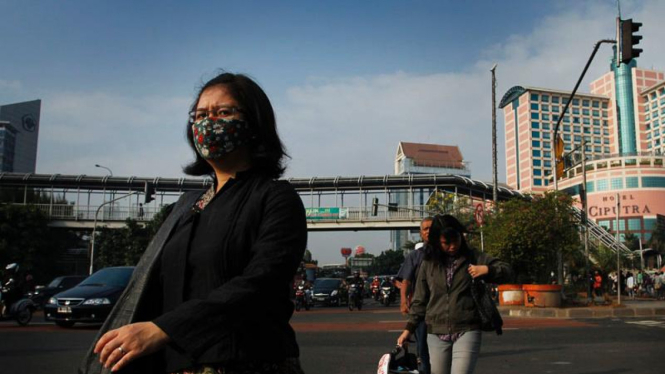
332, 203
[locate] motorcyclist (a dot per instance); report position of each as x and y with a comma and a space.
307, 287
11, 287
376, 284
359, 284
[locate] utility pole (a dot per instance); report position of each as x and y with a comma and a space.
495, 187
585, 214
618, 251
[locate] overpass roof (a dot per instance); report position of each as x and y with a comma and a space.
446, 182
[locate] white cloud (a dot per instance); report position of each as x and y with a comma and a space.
132, 136
351, 126
12, 85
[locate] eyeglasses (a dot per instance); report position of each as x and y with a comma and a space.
221, 112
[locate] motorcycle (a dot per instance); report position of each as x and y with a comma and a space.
355, 297
20, 310
376, 293
387, 295
303, 299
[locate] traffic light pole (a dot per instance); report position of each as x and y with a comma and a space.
559, 158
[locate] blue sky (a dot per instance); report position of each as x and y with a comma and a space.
348, 79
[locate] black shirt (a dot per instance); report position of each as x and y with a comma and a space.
225, 275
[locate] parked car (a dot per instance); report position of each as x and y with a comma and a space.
330, 291
91, 300
41, 294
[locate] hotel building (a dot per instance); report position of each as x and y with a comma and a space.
620, 122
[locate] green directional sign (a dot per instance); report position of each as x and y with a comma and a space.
332, 213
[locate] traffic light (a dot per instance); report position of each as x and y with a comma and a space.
375, 206
148, 193
629, 40
558, 154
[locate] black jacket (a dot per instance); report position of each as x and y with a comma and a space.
247, 317
448, 310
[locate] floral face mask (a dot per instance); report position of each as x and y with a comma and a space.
215, 137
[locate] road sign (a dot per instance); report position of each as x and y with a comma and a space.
479, 214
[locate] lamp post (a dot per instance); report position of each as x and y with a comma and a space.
495, 188
94, 228
104, 167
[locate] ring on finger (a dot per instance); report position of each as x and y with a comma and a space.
122, 351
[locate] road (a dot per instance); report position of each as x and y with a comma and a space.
336, 341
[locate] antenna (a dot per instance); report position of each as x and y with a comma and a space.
619, 7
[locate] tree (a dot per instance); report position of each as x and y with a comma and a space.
527, 235
631, 241
25, 238
460, 207
125, 246
388, 262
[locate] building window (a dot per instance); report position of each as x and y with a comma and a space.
632, 182
577, 138
546, 126
537, 182
534, 115
534, 106
548, 154
535, 153
658, 182
604, 105
545, 98
547, 145
535, 143
534, 97
566, 127
547, 164
535, 134
589, 187
649, 224
555, 99
586, 121
576, 111
607, 224
585, 103
566, 137
536, 162
546, 117
576, 101
537, 172
576, 119
597, 149
577, 129
587, 130
545, 108
535, 125
616, 183
585, 112
546, 135
602, 185
634, 224
596, 113
555, 108
595, 104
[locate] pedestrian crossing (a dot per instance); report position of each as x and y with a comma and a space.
648, 323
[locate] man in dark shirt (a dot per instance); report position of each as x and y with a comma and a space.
408, 274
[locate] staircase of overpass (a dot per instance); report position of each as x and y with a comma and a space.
332, 203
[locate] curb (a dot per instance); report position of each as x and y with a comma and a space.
608, 312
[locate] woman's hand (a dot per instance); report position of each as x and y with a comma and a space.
118, 347
478, 270
403, 340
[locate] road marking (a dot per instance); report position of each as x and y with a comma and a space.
648, 323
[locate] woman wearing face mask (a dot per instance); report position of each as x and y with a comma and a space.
443, 297
211, 293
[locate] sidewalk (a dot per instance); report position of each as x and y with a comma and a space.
628, 308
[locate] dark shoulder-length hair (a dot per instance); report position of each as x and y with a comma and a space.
450, 228
266, 151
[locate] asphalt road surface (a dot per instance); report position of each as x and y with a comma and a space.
336, 341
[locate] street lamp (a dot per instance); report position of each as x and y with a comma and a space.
104, 167
94, 230
495, 188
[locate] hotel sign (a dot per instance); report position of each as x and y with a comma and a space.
638, 203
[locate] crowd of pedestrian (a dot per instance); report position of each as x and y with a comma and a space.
632, 283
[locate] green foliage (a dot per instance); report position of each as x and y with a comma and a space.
30, 196
631, 241
125, 246
388, 262
606, 259
657, 240
26, 239
459, 206
527, 235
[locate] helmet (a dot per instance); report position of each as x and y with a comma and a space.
12, 267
